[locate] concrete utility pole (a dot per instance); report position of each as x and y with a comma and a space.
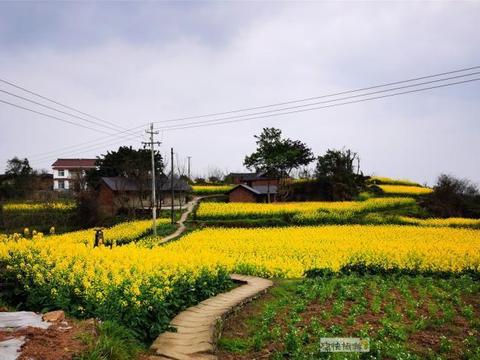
171, 184
189, 157
154, 197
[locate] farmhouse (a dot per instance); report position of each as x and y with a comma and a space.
121, 193
251, 179
255, 193
69, 174
252, 187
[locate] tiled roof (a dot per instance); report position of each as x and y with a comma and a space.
74, 163
251, 176
119, 183
258, 189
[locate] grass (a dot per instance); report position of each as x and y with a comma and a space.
405, 317
114, 342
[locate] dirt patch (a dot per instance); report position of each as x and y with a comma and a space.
236, 325
423, 340
58, 342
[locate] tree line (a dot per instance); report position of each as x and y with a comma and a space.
338, 176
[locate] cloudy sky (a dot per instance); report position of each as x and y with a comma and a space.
134, 63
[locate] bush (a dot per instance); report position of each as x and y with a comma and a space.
452, 197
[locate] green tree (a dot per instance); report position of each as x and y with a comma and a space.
126, 162
276, 156
17, 168
339, 176
18, 179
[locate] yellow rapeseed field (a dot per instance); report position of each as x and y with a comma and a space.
210, 189
441, 222
139, 287
404, 190
121, 233
290, 251
390, 181
255, 210
38, 206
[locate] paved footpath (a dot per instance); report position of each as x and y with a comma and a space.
181, 223
199, 327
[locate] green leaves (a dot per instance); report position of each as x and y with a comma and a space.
276, 156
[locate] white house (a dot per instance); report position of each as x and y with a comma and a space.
68, 174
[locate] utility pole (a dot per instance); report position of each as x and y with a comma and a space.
189, 157
154, 198
171, 184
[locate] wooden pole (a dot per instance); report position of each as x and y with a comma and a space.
173, 192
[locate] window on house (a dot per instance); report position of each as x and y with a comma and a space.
61, 184
61, 172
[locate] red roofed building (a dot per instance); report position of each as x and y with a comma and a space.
69, 174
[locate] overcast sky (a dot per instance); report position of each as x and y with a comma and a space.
133, 63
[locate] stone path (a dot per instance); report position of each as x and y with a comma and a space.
181, 223
199, 327
181, 228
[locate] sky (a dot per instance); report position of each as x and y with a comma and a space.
135, 63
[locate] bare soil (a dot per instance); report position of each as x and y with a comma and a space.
58, 342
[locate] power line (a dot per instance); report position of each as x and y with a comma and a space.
219, 122
44, 160
60, 111
223, 120
91, 142
80, 150
321, 96
57, 102
53, 117
333, 100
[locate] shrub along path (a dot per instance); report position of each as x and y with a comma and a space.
199, 327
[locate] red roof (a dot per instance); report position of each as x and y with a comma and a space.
74, 163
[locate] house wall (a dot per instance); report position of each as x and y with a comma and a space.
110, 201
241, 194
105, 201
69, 177
56, 185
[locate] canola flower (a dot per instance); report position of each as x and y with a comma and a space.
120, 234
454, 222
143, 288
139, 287
389, 181
59, 206
405, 190
289, 252
306, 209
210, 189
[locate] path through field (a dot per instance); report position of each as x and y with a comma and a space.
181, 223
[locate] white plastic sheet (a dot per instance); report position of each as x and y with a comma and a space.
9, 348
21, 319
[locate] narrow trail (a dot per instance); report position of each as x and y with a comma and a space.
181, 222
199, 327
